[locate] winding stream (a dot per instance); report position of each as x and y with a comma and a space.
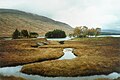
15, 71
68, 54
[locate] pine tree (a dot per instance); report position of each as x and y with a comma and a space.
16, 34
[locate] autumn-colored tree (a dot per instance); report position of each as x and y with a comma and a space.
84, 31
77, 31
91, 32
81, 31
97, 31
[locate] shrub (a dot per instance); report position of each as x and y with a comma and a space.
55, 34
33, 35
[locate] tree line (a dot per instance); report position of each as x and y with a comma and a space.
50, 34
23, 34
84, 31
79, 32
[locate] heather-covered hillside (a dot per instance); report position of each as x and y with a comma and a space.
12, 19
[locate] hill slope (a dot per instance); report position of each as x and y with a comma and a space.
14, 19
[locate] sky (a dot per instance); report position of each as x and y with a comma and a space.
104, 14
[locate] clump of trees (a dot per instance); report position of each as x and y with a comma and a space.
24, 34
55, 34
84, 31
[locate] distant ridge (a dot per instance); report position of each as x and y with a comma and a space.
110, 32
14, 19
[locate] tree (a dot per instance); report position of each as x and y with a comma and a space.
15, 34
81, 31
24, 33
97, 31
55, 34
84, 31
77, 31
91, 32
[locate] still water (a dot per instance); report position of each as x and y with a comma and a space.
60, 39
15, 71
68, 54
109, 36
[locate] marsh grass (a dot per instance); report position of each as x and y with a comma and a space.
85, 65
94, 56
17, 52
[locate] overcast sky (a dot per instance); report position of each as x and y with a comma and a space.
92, 13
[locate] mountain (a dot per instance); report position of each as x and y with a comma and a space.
14, 19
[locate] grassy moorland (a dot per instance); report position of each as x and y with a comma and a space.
10, 78
94, 56
17, 52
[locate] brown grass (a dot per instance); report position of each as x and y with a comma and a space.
94, 56
10, 78
17, 52
86, 65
